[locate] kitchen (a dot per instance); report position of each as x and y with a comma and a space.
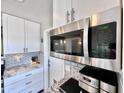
63, 46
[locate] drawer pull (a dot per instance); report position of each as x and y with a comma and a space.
28, 82
28, 75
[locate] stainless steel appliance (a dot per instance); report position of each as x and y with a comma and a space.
89, 80
97, 80
104, 40
108, 81
95, 40
67, 43
107, 88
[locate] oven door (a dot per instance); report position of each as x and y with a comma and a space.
105, 39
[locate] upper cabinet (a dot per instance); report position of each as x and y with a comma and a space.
66, 11
13, 34
32, 31
19, 35
59, 12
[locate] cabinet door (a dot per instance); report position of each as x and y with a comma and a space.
59, 12
33, 88
32, 31
12, 89
15, 35
67, 68
56, 69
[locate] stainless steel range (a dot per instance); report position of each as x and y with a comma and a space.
89, 79
96, 80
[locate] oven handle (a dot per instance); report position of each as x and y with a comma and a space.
85, 40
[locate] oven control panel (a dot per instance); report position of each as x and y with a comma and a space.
89, 80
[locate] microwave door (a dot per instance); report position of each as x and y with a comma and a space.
85, 38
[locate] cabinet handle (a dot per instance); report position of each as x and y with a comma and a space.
72, 14
28, 82
24, 50
28, 75
67, 16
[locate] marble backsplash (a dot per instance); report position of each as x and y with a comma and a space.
12, 60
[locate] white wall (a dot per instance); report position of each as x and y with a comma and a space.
36, 10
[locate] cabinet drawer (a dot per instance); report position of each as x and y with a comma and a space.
29, 81
25, 83
34, 88
20, 77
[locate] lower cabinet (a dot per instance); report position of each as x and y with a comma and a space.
33, 89
31, 82
56, 69
12, 89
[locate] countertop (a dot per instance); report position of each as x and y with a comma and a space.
10, 72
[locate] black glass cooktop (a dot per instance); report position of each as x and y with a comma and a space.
106, 76
72, 86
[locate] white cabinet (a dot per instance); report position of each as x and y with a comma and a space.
59, 12
20, 35
78, 9
11, 89
56, 69
64, 11
13, 30
67, 69
25, 82
32, 31
33, 89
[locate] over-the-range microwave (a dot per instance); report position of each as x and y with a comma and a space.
95, 40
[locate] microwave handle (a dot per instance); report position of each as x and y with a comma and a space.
85, 42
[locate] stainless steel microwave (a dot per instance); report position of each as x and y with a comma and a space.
67, 43
95, 40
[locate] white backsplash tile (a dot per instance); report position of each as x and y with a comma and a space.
12, 60
72, 69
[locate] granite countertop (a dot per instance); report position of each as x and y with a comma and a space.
20, 69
